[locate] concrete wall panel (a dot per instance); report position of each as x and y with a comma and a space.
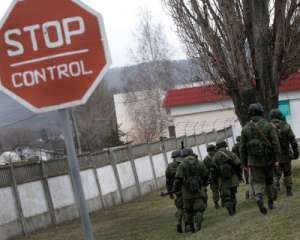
203, 151
33, 199
143, 168
8, 210
159, 165
61, 191
107, 179
89, 184
126, 175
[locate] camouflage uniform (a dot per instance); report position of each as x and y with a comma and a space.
287, 139
170, 178
215, 181
230, 171
191, 179
259, 149
236, 151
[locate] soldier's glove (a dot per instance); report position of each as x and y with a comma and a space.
171, 196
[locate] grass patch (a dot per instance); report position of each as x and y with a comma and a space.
152, 217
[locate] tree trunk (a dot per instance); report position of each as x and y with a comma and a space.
266, 86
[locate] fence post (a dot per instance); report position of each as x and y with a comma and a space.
152, 165
136, 177
197, 146
117, 175
186, 141
232, 135
163, 149
98, 182
216, 135
18, 199
206, 141
48, 193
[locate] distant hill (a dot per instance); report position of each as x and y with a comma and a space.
183, 71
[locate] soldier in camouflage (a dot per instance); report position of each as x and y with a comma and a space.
170, 178
260, 150
229, 169
287, 141
236, 151
191, 179
215, 181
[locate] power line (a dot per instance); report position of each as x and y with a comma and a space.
19, 121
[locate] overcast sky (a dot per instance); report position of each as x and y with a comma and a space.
121, 19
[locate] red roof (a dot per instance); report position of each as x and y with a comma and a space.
206, 94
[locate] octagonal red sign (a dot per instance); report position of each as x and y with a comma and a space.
53, 53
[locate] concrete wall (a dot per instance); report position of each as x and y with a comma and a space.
35, 204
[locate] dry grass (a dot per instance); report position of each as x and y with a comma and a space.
153, 218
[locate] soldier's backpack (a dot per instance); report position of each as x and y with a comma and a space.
226, 168
257, 147
192, 180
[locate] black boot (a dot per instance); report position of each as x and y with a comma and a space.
247, 195
234, 209
230, 211
289, 192
179, 226
260, 204
217, 206
271, 204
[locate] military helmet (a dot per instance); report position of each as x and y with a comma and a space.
176, 154
238, 139
276, 114
187, 152
256, 109
211, 148
221, 144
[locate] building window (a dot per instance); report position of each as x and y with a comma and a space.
172, 132
284, 107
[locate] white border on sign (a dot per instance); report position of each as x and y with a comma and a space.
92, 87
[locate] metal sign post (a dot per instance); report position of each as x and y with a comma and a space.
74, 169
57, 66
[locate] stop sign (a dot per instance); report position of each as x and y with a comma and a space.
53, 53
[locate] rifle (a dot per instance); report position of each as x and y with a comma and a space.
164, 194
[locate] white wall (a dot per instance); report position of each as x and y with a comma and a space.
159, 165
188, 124
144, 169
124, 120
61, 191
89, 184
126, 175
8, 210
107, 179
295, 116
33, 200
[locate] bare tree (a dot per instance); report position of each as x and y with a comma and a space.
97, 122
14, 138
146, 85
246, 46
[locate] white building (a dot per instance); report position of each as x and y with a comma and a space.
199, 109
128, 106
